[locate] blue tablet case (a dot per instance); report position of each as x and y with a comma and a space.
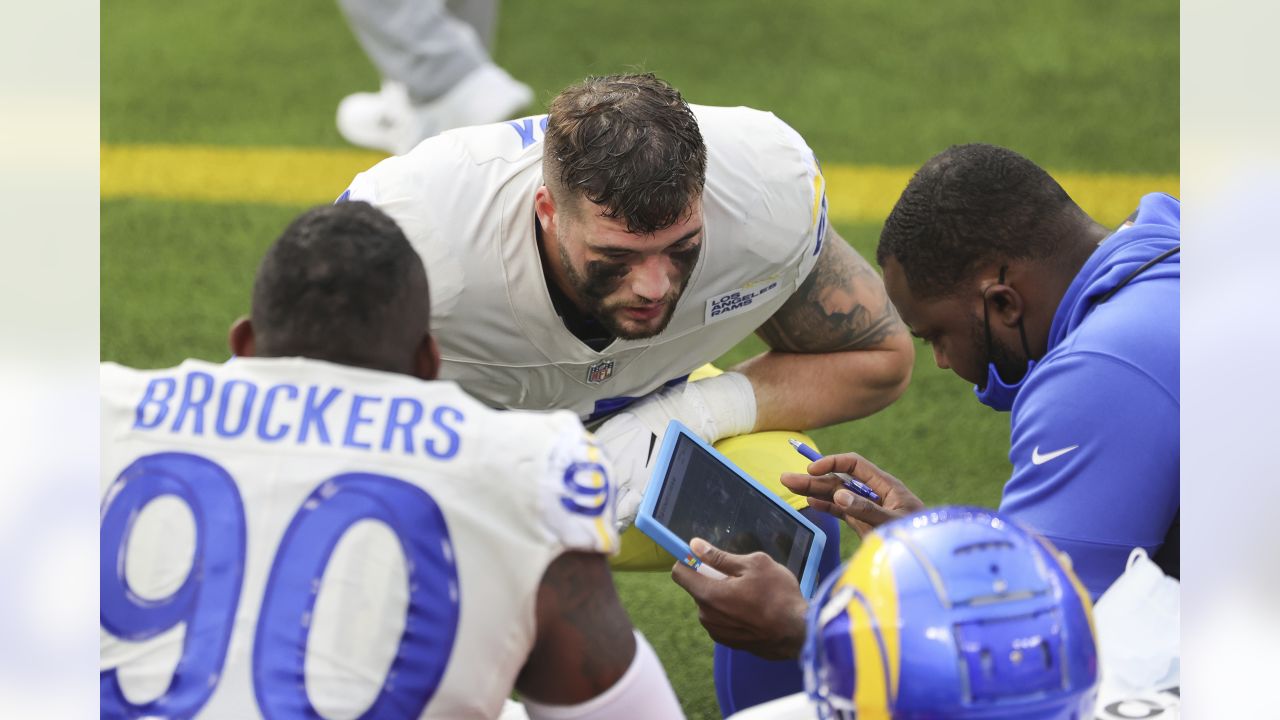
744, 501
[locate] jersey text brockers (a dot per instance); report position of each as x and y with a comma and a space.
285, 537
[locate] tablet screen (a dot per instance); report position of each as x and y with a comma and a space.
703, 498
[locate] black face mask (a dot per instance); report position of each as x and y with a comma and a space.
996, 393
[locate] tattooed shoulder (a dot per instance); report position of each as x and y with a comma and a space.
841, 305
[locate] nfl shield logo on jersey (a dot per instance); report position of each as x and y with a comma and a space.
600, 372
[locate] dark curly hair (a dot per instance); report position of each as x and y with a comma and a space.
343, 284
975, 205
628, 143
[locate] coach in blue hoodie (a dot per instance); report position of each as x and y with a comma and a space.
1070, 325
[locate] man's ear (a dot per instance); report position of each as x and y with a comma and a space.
544, 206
426, 362
240, 339
1007, 305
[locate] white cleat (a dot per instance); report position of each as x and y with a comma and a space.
376, 120
388, 121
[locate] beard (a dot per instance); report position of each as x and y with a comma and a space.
601, 279
1011, 365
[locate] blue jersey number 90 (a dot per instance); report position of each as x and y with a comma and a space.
206, 601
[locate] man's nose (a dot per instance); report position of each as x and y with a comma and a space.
650, 279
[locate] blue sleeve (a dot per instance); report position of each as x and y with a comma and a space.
1095, 462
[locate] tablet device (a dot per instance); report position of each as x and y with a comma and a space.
695, 491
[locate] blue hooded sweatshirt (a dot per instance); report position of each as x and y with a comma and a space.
1094, 437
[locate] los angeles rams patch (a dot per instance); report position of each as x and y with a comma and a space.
740, 300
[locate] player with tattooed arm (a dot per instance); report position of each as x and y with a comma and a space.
599, 257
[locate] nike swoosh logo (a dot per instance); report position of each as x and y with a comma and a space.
1038, 459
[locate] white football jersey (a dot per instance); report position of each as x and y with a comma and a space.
287, 537
465, 201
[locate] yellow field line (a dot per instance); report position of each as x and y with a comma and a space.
305, 176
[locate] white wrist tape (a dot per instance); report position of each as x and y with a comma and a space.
714, 408
717, 407
642, 693
731, 404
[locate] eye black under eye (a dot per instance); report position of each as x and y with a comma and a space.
603, 269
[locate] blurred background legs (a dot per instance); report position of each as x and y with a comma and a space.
434, 60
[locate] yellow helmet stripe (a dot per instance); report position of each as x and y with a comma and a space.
874, 626
1064, 562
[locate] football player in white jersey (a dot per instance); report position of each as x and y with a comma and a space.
312, 530
602, 253
593, 258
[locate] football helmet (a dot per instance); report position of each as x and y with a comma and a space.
953, 612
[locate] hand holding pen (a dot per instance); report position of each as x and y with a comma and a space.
850, 487
849, 481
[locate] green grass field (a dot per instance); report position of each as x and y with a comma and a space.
1082, 85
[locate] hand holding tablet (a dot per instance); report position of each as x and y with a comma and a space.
705, 569
754, 605
696, 492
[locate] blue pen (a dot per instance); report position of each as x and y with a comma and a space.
849, 481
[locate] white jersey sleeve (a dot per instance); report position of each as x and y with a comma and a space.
577, 491
811, 171
413, 193
762, 173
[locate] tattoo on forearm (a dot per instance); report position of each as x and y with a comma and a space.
584, 637
588, 603
840, 306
